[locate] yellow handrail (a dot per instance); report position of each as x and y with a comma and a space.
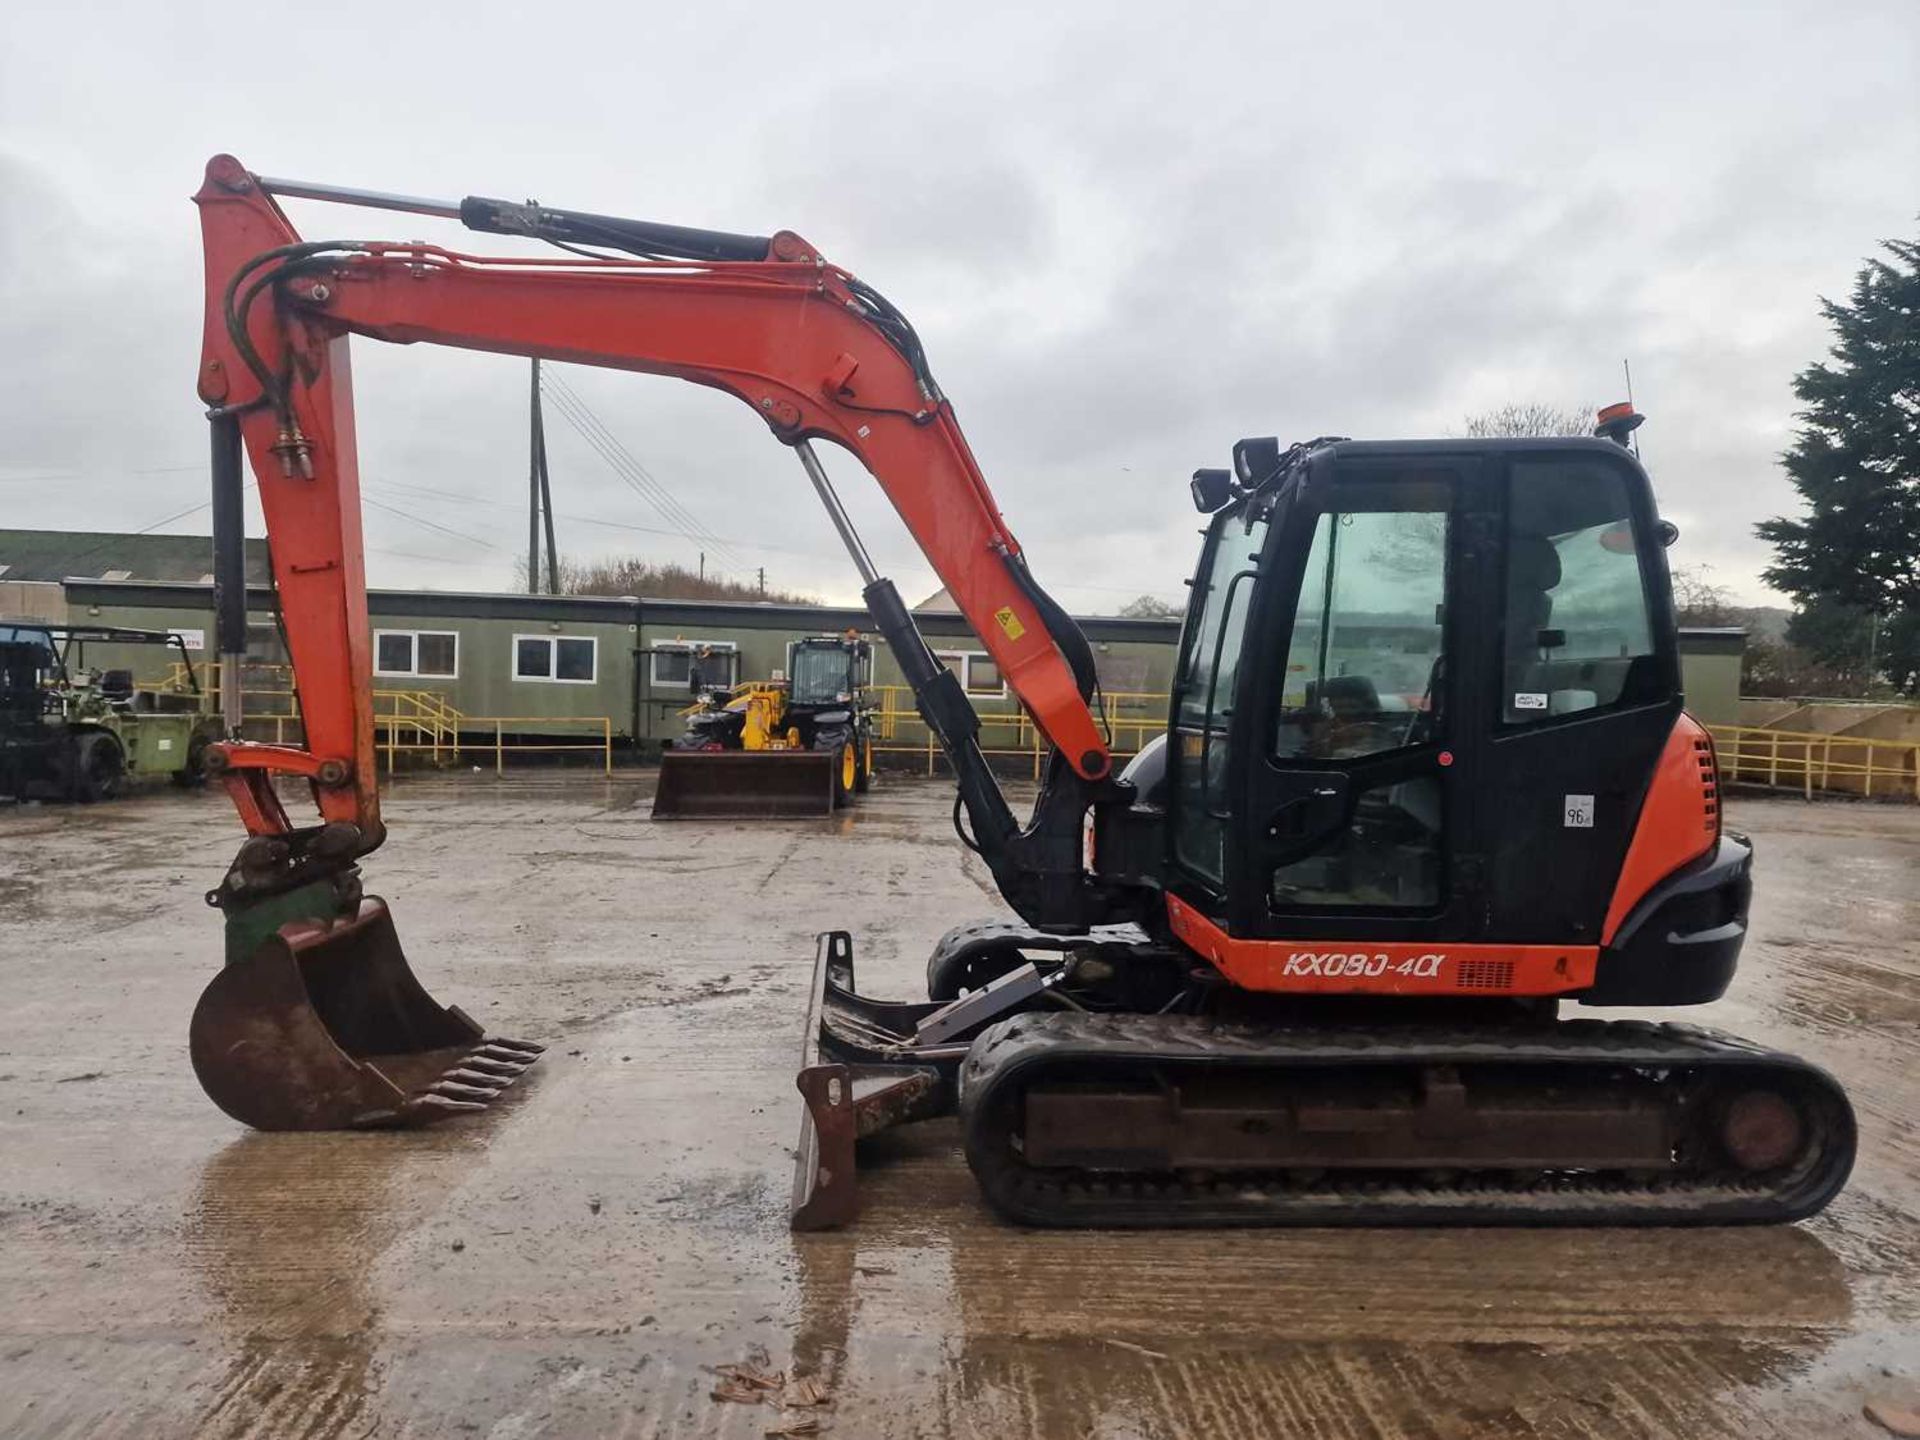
1130, 717
1808, 760
428, 720
1801, 760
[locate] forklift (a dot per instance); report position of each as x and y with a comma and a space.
72, 732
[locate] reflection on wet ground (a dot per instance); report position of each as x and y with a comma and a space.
577, 1259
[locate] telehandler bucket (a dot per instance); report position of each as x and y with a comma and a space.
744, 785
324, 1027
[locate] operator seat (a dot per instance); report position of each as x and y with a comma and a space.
1533, 570
1349, 698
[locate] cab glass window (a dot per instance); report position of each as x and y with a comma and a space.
1216, 628
1213, 661
1577, 634
1363, 659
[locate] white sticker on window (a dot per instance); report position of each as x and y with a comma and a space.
1529, 700
1579, 812
166, 744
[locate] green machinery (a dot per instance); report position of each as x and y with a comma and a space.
72, 732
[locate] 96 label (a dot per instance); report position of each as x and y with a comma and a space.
1579, 812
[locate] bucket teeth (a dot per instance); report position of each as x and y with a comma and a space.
453, 1089
482, 1079
443, 1104
524, 1051
478, 1077
486, 1065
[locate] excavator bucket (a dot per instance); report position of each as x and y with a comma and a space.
744, 785
324, 1027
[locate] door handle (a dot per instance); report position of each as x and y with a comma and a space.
1296, 810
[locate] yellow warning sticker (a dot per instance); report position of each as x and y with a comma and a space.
1009, 622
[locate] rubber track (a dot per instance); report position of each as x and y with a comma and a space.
1080, 1047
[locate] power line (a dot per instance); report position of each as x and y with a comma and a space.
430, 492
591, 428
635, 476
147, 529
430, 524
560, 386
432, 559
614, 463
39, 478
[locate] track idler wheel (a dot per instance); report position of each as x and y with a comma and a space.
323, 1026
1762, 1130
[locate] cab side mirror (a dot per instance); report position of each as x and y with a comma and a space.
1211, 489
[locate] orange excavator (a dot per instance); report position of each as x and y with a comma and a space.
1426, 778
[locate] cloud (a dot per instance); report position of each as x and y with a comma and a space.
1128, 237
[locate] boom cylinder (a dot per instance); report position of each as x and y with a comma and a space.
229, 564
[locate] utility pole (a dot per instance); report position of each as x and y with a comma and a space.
539, 497
703, 565
533, 483
763, 582
546, 499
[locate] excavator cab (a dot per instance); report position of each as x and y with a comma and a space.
1427, 775
1420, 696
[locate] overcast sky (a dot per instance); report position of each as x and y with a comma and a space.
1128, 234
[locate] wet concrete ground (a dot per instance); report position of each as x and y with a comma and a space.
572, 1261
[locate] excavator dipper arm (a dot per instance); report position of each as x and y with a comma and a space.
815, 352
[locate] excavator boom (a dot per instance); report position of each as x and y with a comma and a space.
817, 354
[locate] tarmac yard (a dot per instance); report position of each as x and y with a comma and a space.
580, 1259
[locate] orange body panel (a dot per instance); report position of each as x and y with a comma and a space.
784, 334
1353, 967
1679, 821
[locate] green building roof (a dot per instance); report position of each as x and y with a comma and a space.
55, 555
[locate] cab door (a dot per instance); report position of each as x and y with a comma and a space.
1353, 758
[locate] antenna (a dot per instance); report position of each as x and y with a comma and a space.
1626, 369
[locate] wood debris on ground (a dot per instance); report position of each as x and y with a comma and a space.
748, 1384
754, 1382
803, 1392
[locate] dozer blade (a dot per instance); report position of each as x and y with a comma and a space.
744, 785
860, 1073
324, 1027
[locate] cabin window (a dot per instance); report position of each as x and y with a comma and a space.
557, 659
426, 654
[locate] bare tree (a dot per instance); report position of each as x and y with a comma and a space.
1149, 607
1699, 600
1530, 417
655, 580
